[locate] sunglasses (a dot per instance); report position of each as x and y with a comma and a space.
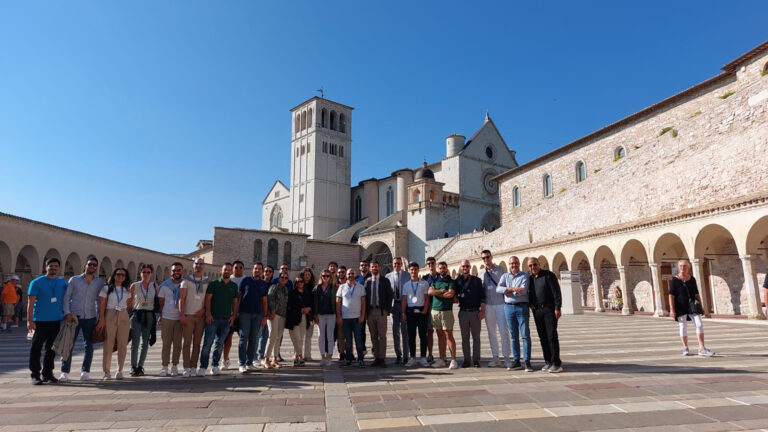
325, 276
283, 277
92, 265
119, 274
485, 257
146, 272
199, 264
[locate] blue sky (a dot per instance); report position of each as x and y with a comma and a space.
151, 122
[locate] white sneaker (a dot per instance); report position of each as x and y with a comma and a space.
64, 378
264, 364
252, 367
14, 326
225, 365
215, 370
119, 375
107, 376
706, 352
494, 363
174, 370
454, 365
507, 363
163, 371
686, 351
84, 376
411, 362
243, 369
423, 362
187, 373
200, 372
439, 363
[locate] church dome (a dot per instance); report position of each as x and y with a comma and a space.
424, 173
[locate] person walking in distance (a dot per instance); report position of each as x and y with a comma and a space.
683, 293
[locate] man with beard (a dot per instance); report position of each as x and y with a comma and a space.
170, 319
239, 273
471, 311
220, 312
191, 299
44, 314
397, 278
252, 316
443, 291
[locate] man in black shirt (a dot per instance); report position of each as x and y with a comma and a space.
471, 311
545, 300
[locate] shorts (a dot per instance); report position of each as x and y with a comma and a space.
442, 320
8, 309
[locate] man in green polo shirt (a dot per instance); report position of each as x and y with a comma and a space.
443, 291
220, 313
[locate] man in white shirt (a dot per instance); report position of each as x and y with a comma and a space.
494, 310
191, 299
414, 312
170, 319
350, 313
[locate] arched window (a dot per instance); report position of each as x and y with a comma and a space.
324, 118
257, 250
619, 153
342, 123
390, 201
272, 253
341, 151
765, 70
431, 196
581, 171
297, 124
547, 185
416, 195
276, 217
303, 120
287, 253
358, 209
309, 118
516, 196
333, 120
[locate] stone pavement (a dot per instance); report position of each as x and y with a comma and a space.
621, 373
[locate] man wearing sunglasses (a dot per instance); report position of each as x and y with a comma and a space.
545, 300
81, 300
494, 317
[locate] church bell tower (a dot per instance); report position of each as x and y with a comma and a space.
321, 155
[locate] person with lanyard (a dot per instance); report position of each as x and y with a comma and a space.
495, 320
170, 319
414, 310
143, 294
191, 299
341, 279
379, 293
365, 274
114, 302
238, 275
252, 317
471, 295
269, 271
221, 299
397, 278
443, 292
350, 315
44, 314
430, 278
325, 316
514, 286
278, 310
81, 301
683, 291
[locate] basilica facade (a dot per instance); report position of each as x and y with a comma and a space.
412, 213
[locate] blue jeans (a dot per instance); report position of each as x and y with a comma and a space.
215, 334
263, 338
87, 326
517, 320
250, 330
352, 327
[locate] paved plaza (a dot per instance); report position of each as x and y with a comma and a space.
621, 373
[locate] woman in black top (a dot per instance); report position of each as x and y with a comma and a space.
309, 284
299, 307
681, 290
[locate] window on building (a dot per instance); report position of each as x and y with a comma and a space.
297, 123
325, 147
276, 217
516, 196
309, 118
333, 149
303, 120
358, 209
581, 171
333, 120
431, 196
287, 253
324, 118
301, 197
272, 253
257, 250
302, 149
416, 196
390, 201
342, 123
547, 185
308, 144
341, 151
619, 153
277, 194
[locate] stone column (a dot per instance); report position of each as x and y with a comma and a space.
659, 310
753, 289
598, 291
699, 275
627, 309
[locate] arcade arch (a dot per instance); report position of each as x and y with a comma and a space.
637, 289
580, 263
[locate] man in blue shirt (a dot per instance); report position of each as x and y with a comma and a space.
514, 286
44, 313
253, 303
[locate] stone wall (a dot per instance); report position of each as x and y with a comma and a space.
320, 253
699, 161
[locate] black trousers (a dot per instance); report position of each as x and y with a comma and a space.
546, 327
416, 320
45, 334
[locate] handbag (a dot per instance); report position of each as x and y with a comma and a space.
694, 306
